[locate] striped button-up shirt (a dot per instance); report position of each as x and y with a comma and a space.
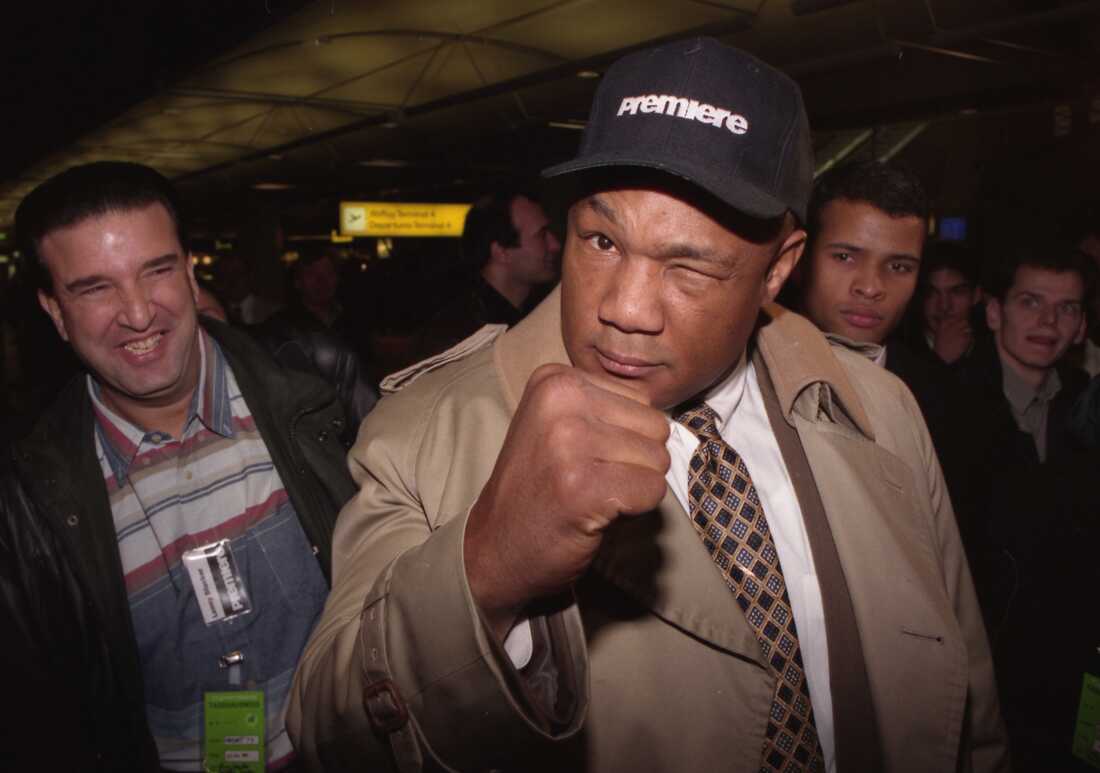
168, 496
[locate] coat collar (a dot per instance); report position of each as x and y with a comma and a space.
808, 378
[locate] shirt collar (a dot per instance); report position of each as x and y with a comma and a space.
1021, 394
724, 397
210, 406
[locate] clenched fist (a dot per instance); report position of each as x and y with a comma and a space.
580, 452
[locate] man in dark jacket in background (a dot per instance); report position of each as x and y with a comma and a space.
508, 250
1025, 493
194, 483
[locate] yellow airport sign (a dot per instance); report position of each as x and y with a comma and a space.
390, 218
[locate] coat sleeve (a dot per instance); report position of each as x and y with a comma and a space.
985, 741
401, 673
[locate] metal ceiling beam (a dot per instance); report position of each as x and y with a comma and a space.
902, 143
350, 106
844, 152
944, 38
1079, 10
433, 36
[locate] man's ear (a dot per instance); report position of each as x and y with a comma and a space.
50, 305
1082, 327
993, 314
190, 261
497, 254
787, 257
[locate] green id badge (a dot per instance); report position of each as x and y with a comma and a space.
234, 732
1086, 737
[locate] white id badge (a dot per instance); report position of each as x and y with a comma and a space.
218, 585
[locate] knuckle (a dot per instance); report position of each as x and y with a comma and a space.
543, 372
566, 432
571, 480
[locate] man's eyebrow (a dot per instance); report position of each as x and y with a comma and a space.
602, 208
695, 252
161, 261
671, 250
84, 282
846, 246
904, 256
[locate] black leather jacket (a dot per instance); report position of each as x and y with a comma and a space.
299, 342
301, 422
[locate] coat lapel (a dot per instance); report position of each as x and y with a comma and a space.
658, 559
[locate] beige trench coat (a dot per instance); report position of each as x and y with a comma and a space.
667, 674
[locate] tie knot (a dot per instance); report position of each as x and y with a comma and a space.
702, 421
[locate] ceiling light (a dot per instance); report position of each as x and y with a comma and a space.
388, 163
394, 119
588, 74
272, 186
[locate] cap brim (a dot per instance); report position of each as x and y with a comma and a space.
736, 193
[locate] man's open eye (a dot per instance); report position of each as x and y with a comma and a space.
601, 242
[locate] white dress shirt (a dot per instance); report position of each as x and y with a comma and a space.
743, 423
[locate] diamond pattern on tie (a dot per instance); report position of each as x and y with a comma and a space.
726, 512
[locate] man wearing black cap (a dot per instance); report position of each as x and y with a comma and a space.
660, 525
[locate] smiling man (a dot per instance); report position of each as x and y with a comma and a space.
1029, 488
1036, 312
183, 460
660, 524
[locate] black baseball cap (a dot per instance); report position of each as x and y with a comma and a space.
710, 114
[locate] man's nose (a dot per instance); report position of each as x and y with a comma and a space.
941, 306
135, 308
553, 244
867, 284
632, 298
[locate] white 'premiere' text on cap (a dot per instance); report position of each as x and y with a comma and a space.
682, 107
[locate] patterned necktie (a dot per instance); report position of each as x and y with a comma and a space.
726, 511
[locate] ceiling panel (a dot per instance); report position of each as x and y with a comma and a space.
366, 94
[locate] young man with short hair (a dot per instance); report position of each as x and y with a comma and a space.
866, 231
508, 251
949, 292
1036, 312
195, 483
1026, 494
